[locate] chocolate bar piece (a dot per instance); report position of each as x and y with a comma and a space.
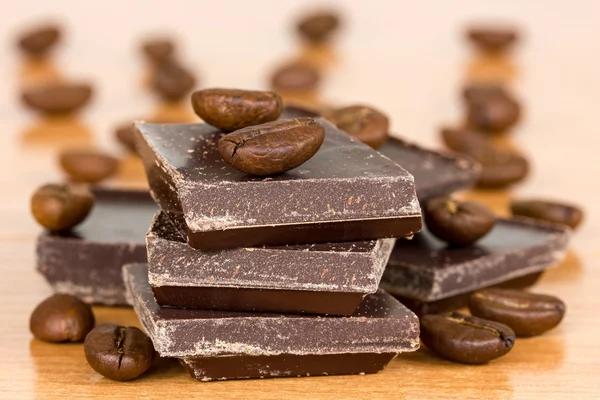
346, 192
436, 173
325, 278
426, 269
218, 345
87, 261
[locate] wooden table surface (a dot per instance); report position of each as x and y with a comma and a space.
407, 58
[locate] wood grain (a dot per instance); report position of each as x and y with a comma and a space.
407, 59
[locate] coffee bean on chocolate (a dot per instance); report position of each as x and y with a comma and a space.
560, 213
117, 352
458, 223
466, 339
367, 124
233, 109
61, 318
62, 206
40, 40
89, 166
158, 50
493, 38
57, 98
491, 108
296, 77
274, 147
172, 81
318, 27
499, 167
528, 314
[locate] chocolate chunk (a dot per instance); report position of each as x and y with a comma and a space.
272, 345
559, 213
346, 192
296, 77
436, 173
272, 148
40, 40
57, 98
328, 278
86, 262
426, 269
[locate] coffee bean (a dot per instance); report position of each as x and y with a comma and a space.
273, 147
558, 213
318, 27
466, 339
367, 124
63, 206
158, 50
40, 40
57, 98
173, 82
499, 167
296, 77
233, 109
90, 166
528, 314
482, 91
491, 108
493, 38
61, 318
117, 352
458, 223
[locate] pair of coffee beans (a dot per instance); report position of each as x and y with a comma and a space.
499, 316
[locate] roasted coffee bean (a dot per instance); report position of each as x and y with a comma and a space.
173, 82
39, 41
233, 109
499, 167
367, 124
458, 223
318, 27
89, 166
273, 147
61, 318
117, 352
158, 50
296, 77
493, 38
491, 108
57, 98
466, 339
62, 206
528, 314
560, 213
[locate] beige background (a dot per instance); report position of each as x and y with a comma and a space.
409, 59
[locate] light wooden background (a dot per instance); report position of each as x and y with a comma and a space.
407, 58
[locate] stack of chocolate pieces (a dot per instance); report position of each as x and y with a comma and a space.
275, 275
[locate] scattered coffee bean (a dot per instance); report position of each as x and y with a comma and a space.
158, 51
466, 339
233, 109
57, 98
296, 77
274, 147
528, 314
39, 41
173, 82
63, 206
499, 167
493, 39
367, 124
61, 318
458, 223
318, 27
491, 108
550, 211
89, 166
117, 352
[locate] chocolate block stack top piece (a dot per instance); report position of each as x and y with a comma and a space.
87, 261
284, 345
347, 191
324, 278
427, 270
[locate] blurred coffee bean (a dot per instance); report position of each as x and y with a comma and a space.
493, 39
172, 81
89, 166
158, 50
491, 108
40, 40
551, 211
57, 98
318, 27
296, 77
61, 318
61, 206
367, 124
